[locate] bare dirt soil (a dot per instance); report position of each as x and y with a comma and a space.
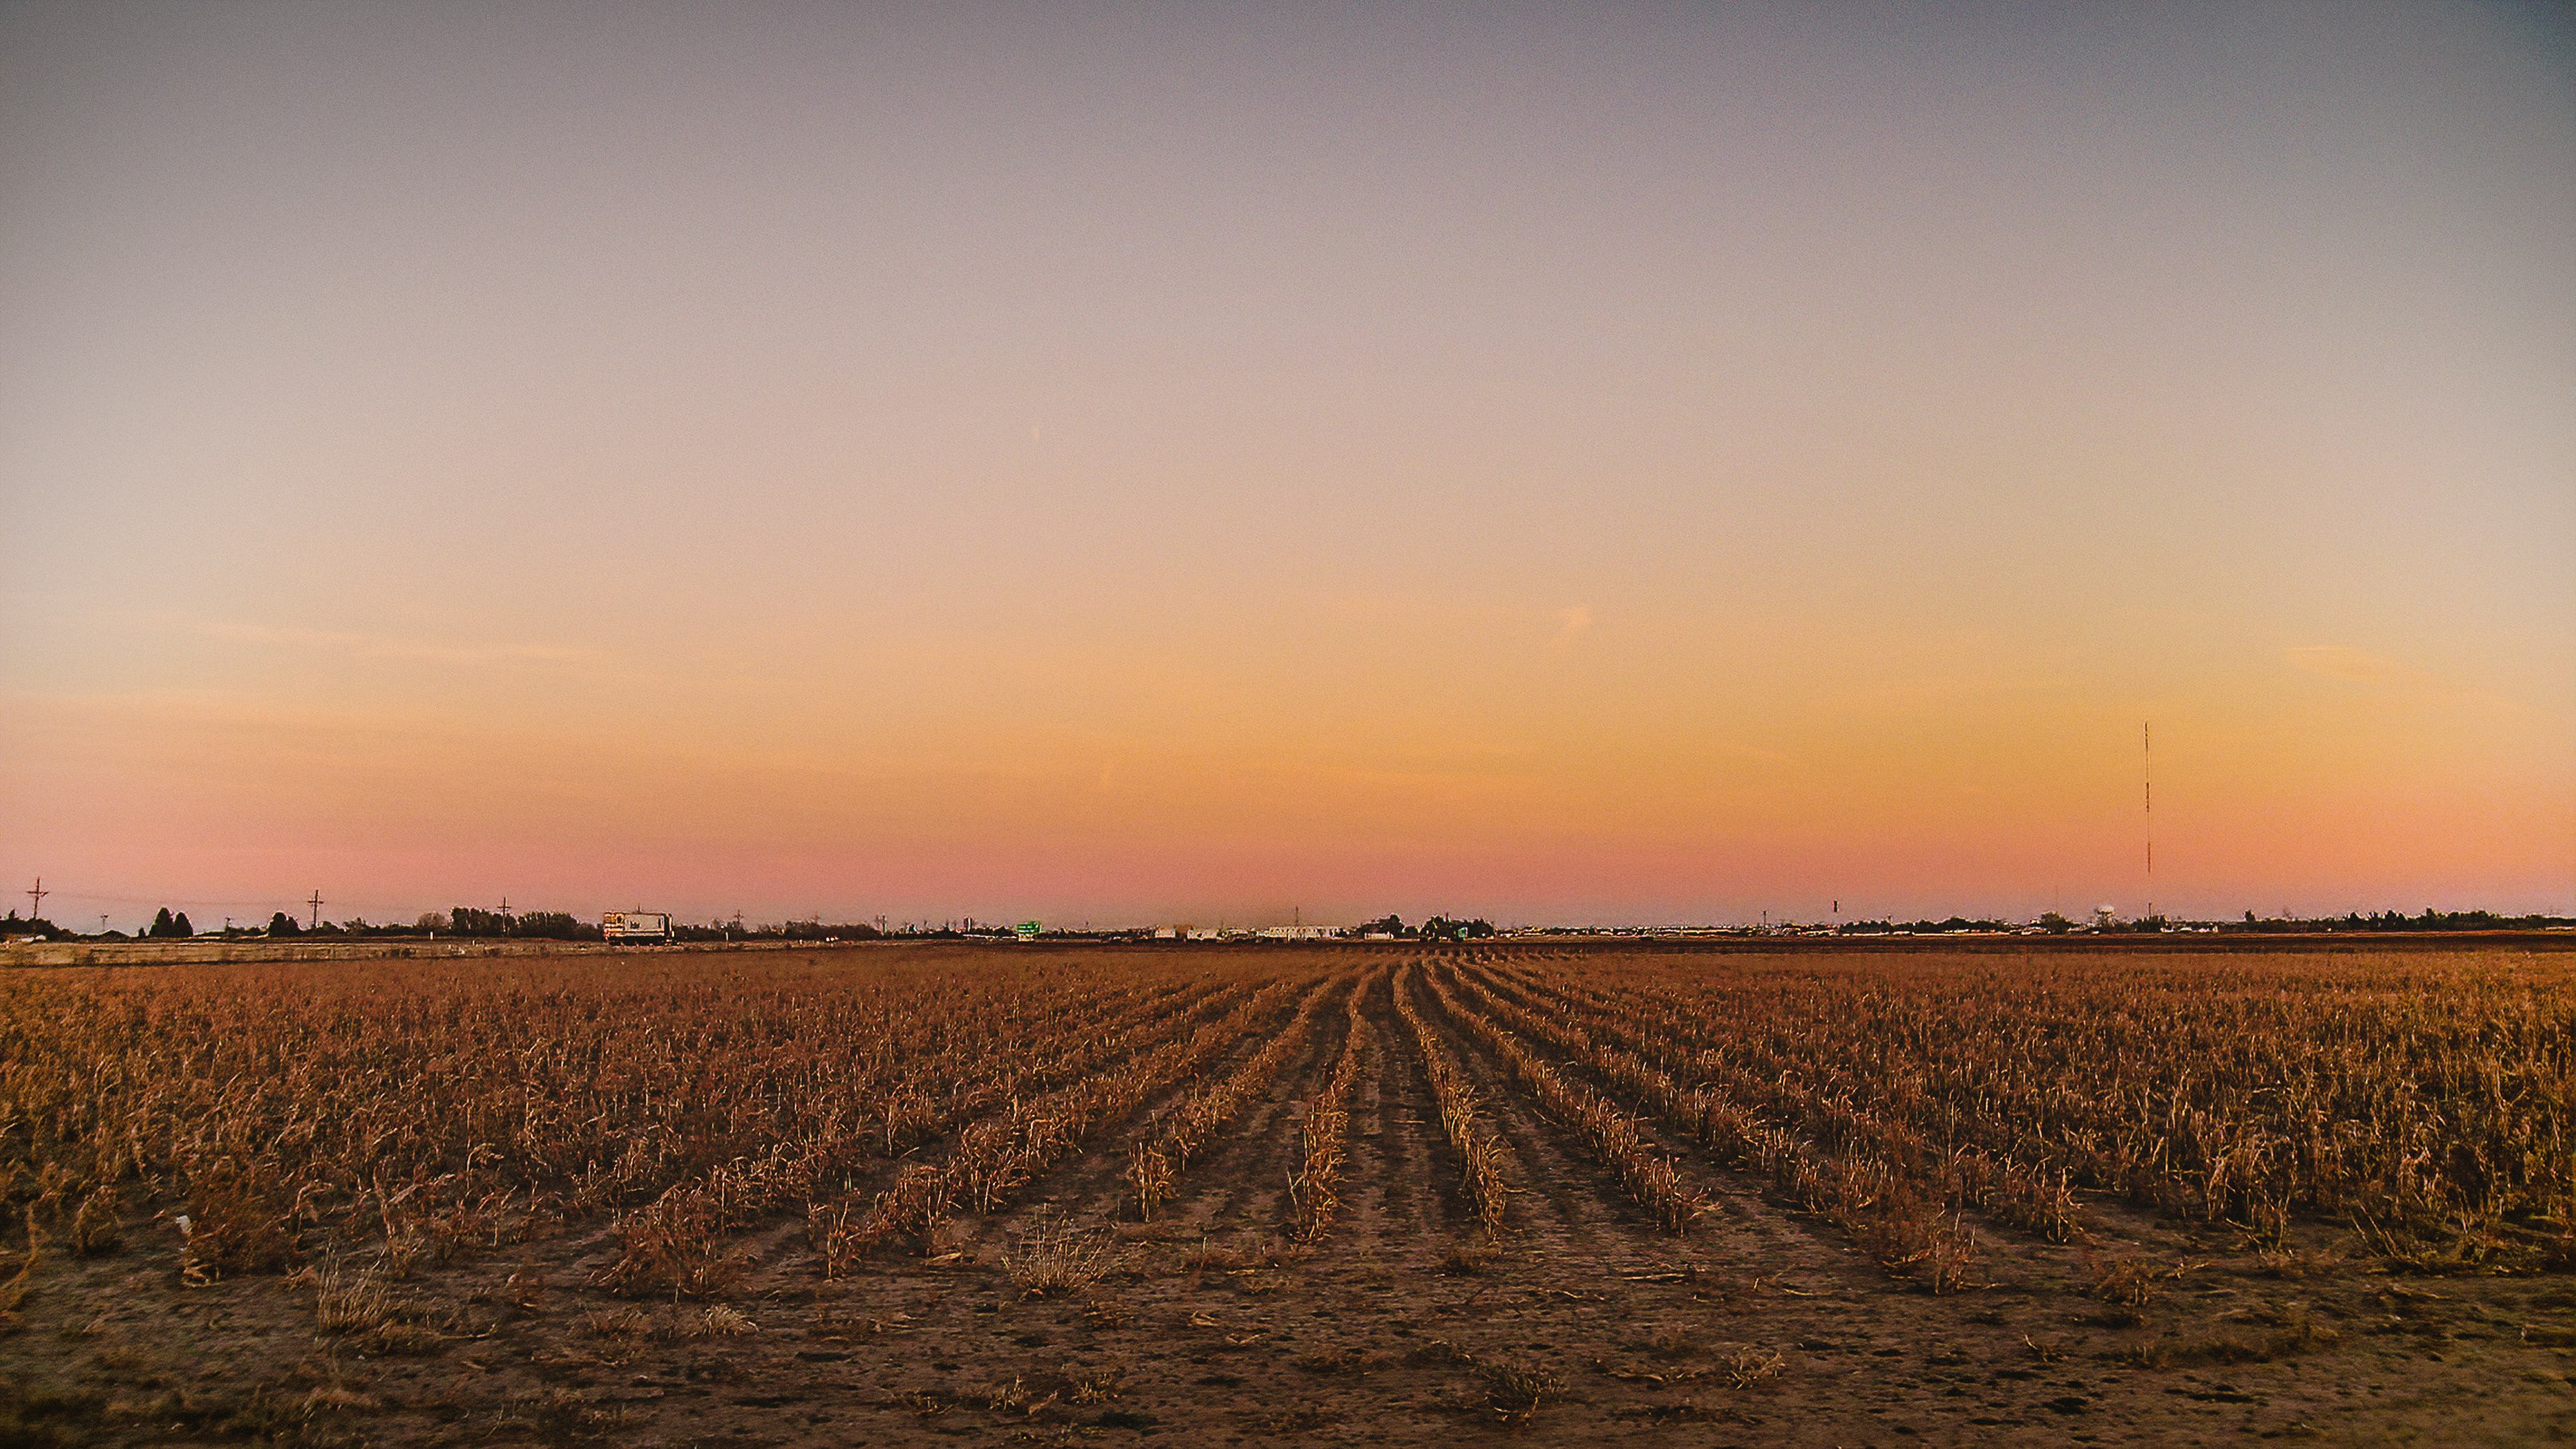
1062, 1314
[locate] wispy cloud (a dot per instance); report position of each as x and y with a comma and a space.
2341, 661
360, 645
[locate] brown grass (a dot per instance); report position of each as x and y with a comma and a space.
1514, 1390
1053, 1259
2132, 1282
1749, 1366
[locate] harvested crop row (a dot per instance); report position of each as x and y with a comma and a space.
2434, 1099
1480, 1151
1315, 1185
1881, 1211
676, 1242
996, 1156
440, 1110
1960, 1174
1608, 1132
1164, 1149
978, 1076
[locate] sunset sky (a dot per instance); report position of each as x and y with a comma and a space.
1559, 464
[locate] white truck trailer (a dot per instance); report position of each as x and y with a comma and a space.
648, 928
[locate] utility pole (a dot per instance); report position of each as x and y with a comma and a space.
36, 896
316, 903
102, 923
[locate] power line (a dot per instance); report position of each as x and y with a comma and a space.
269, 902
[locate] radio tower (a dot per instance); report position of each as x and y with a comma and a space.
2147, 742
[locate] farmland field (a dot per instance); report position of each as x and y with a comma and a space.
1351, 1194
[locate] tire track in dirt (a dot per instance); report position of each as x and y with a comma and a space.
773, 1242
922, 1294
1242, 1184
778, 1234
1561, 1286
1848, 1307
1742, 1232
1400, 1192
1747, 1229
1555, 1207
1668, 1016
2030, 1288
1091, 1188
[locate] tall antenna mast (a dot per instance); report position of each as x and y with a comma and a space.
2147, 741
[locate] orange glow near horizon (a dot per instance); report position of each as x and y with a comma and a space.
1681, 468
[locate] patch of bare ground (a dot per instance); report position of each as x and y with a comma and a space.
1061, 1317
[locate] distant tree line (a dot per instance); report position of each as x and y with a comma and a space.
1438, 928
530, 925
14, 925
457, 921
2429, 920
816, 930
1918, 928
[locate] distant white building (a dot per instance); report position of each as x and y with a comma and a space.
1297, 933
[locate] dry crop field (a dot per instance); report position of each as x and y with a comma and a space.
916, 1194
